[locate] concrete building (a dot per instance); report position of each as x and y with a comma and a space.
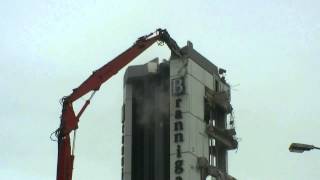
175, 124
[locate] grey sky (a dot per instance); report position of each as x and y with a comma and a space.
270, 48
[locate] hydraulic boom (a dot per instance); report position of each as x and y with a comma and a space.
69, 119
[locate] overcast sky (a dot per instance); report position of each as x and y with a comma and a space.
269, 48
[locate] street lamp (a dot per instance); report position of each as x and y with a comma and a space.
300, 148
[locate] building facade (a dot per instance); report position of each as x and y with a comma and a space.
174, 121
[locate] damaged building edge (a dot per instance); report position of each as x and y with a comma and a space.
174, 120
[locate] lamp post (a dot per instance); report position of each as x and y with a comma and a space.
300, 148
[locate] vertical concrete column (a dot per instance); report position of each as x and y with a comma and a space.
188, 140
127, 133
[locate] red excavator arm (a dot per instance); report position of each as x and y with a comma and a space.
69, 120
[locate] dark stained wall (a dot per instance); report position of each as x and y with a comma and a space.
150, 124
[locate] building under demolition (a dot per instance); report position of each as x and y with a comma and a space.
176, 121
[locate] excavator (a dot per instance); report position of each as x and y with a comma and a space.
69, 119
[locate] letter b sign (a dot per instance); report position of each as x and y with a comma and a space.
177, 86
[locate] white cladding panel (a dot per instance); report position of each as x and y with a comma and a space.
128, 110
127, 134
177, 68
195, 140
195, 91
192, 99
200, 74
128, 117
127, 154
126, 176
127, 94
191, 172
